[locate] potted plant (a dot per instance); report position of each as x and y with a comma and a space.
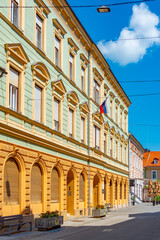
133, 200
48, 220
158, 199
99, 211
154, 201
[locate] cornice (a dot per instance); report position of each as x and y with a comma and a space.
59, 26
42, 5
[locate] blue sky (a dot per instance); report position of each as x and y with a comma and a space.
140, 62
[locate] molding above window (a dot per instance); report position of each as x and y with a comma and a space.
84, 59
106, 88
40, 71
112, 131
59, 87
84, 108
117, 101
121, 106
43, 6
16, 52
59, 27
112, 94
73, 44
117, 135
98, 117
97, 74
106, 126
125, 111
73, 98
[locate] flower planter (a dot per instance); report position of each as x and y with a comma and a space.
133, 203
48, 223
154, 203
99, 212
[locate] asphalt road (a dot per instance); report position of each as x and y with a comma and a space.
143, 226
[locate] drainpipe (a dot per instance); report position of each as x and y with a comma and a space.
88, 134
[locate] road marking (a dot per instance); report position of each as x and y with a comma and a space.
107, 230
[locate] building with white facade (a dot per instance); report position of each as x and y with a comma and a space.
136, 169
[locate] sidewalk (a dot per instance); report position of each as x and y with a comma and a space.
76, 225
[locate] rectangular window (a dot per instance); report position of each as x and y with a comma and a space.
82, 129
104, 143
38, 104
154, 175
111, 146
121, 123
117, 150
96, 92
39, 32
96, 132
15, 12
13, 89
117, 115
56, 114
111, 109
71, 66
82, 79
121, 153
70, 123
57, 48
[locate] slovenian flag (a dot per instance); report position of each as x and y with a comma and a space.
103, 107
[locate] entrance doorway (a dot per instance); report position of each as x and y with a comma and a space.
70, 192
96, 183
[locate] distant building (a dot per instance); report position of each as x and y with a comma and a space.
151, 165
136, 169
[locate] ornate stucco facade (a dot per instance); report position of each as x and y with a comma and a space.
57, 166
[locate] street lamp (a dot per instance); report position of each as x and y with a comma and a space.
2, 72
103, 9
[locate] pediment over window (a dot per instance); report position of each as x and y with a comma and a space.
43, 6
98, 117
73, 97
122, 139
97, 74
17, 52
112, 130
107, 126
41, 71
84, 107
73, 44
106, 87
117, 135
59, 87
59, 26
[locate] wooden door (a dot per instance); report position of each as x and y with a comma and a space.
70, 193
95, 196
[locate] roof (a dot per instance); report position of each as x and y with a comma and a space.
149, 157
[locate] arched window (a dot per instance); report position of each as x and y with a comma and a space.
11, 182
121, 190
81, 188
116, 190
55, 185
36, 184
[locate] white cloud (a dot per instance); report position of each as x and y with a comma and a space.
143, 23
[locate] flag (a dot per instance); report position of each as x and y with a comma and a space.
103, 107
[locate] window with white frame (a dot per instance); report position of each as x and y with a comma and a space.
38, 103
57, 51
71, 60
116, 114
117, 150
15, 12
96, 137
111, 109
111, 147
104, 142
82, 78
39, 23
154, 174
70, 123
13, 89
82, 129
121, 148
96, 91
56, 114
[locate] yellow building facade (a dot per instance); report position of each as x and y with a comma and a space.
57, 151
